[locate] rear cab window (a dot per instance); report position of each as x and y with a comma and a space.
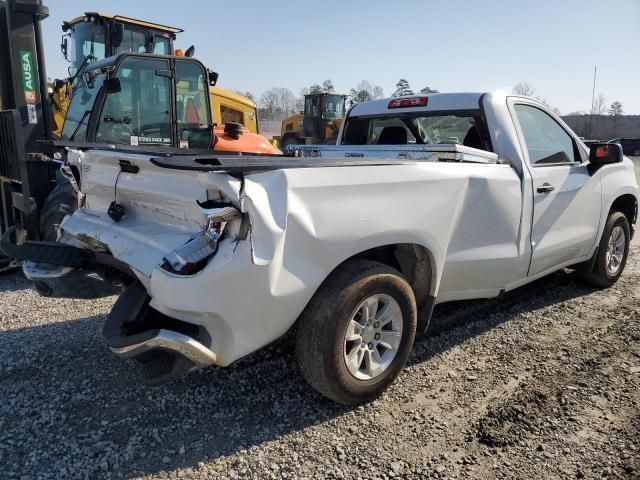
439, 127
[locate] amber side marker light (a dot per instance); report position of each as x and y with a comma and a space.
602, 151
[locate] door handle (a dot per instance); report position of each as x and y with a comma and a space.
546, 188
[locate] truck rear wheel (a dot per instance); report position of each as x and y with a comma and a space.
356, 333
61, 201
611, 257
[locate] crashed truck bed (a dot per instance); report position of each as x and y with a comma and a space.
296, 226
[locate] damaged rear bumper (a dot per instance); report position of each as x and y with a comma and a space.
164, 348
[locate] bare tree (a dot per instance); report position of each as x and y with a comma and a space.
523, 88
246, 94
599, 106
300, 99
365, 91
277, 103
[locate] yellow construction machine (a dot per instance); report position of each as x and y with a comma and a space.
95, 36
318, 124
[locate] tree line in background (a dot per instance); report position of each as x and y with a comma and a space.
278, 103
601, 121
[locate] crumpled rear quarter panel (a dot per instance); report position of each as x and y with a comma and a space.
305, 222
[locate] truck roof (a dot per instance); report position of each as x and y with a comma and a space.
436, 101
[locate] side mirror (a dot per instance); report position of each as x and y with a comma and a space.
605, 153
213, 77
190, 51
116, 31
112, 85
64, 48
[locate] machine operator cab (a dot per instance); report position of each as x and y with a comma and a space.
321, 112
141, 100
96, 36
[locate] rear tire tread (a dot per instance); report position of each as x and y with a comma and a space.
315, 344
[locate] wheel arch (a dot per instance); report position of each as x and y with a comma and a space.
628, 205
414, 261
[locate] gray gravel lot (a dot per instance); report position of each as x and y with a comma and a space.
542, 383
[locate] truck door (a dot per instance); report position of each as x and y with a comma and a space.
566, 199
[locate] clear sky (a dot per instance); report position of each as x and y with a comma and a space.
455, 45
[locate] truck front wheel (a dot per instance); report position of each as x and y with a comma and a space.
356, 333
612, 253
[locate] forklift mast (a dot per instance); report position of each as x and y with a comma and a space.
25, 169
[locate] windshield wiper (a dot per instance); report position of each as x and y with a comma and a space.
73, 135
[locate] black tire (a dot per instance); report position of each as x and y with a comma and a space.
320, 342
600, 275
61, 201
290, 140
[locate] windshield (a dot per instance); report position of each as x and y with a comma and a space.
437, 128
87, 40
85, 91
333, 106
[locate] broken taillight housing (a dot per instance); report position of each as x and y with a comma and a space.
193, 255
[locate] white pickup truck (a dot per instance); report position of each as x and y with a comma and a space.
425, 199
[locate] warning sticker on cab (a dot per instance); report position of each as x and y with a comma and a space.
31, 113
153, 140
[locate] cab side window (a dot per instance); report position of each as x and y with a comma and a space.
192, 112
547, 142
133, 41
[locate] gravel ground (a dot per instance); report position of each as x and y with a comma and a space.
542, 383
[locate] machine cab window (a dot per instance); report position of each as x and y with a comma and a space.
333, 107
312, 106
138, 111
86, 90
161, 45
133, 41
192, 108
88, 43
